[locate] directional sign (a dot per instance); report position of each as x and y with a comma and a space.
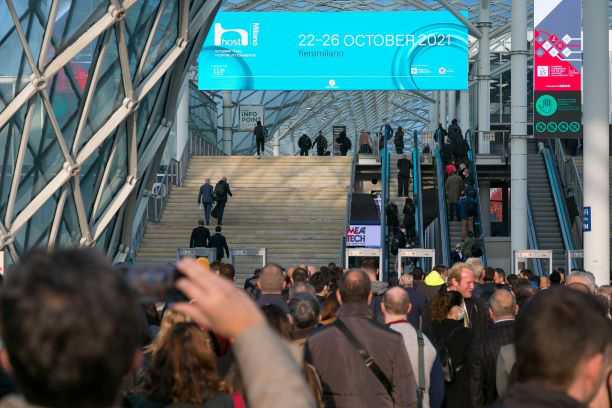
586, 219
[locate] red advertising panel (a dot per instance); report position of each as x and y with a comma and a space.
557, 68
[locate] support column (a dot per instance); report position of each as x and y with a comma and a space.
464, 110
434, 112
484, 188
484, 75
518, 129
276, 142
182, 119
227, 122
452, 105
442, 114
596, 142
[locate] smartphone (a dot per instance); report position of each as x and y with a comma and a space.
154, 282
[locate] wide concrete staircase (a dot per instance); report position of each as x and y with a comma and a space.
293, 206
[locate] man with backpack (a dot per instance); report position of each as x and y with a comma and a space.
468, 208
344, 142
321, 143
304, 143
222, 190
427, 369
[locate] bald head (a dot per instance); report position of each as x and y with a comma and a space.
396, 301
503, 305
354, 287
271, 279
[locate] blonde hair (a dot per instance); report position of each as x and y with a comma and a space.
455, 272
475, 265
170, 319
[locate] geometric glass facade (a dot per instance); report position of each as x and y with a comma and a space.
88, 93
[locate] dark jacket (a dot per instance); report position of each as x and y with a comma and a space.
457, 257
344, 142
206, 194
220, 400
259, 132
463, 203
273, 299
304, 142
405, 167
398, 140
536, 396
321, 142
483, 362
457, 393
418, 301
224, 187
218, 242
454, 129
199, 237
347, 382
408, 211
447, 153
459, 146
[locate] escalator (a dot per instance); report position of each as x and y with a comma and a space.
450, 231
549, 223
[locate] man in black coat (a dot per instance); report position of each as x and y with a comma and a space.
485, 348
454, 129
344, 142
199, 236
304, 143
260, 138
218, 242
321, 143
404, 166
222, 190
206, 197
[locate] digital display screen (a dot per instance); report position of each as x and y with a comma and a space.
425, 50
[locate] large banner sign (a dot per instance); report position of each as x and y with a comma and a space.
333, 51
363, 236
557, 68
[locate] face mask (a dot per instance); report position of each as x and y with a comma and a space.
460, 316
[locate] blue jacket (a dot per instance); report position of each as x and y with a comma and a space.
206, 194
418, 301
463, 207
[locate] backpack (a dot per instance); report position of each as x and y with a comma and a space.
449, 371
323, 143
470, 208
219, 190
347, 143
476, 249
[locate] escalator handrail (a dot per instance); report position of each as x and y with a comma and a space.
532, 238
417, 191
347, 210
442, 210
383, 214
469, 135
558, 198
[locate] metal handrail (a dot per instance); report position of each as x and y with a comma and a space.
559, 198
347, 210
499, 142
532, 238
571, 181
442, 210
173, 175
385, 159
478, 222
417, 191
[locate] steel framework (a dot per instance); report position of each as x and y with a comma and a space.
88, 92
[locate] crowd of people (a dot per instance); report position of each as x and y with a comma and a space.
75, 335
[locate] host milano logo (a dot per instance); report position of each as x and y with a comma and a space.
221, 35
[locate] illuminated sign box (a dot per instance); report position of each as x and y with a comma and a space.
363, 236
335, 51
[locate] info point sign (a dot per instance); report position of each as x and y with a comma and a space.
335, 51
